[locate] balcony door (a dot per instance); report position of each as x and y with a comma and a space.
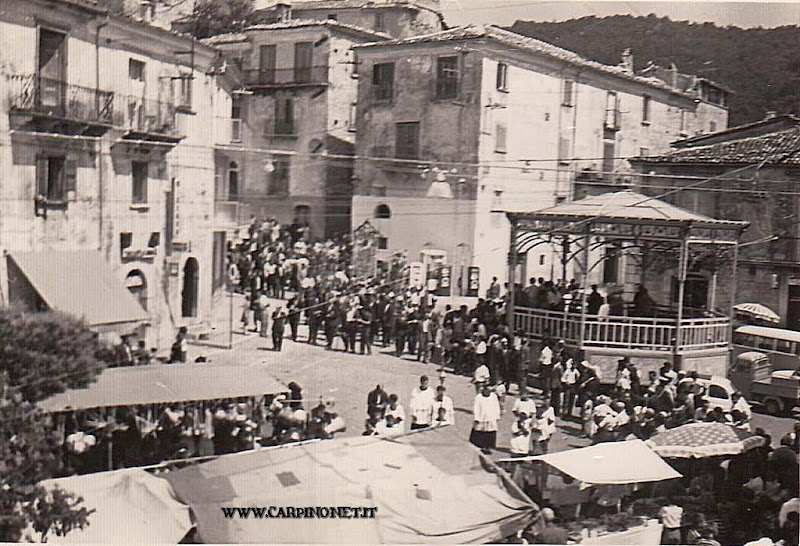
52, 69
303, 53
266, 64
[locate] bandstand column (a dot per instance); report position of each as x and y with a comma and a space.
586, 239
512, 270
681, 291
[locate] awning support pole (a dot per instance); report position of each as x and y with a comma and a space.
512, 269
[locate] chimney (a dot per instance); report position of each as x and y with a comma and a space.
627, 61
673, 75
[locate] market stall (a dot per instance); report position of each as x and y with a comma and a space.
591, 485
428, 486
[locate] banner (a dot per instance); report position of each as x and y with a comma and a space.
445, 275
473, 281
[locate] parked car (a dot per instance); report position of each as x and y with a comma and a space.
719, 392
776, 391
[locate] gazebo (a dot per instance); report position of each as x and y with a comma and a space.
661, 244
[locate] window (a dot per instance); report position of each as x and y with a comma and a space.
383, 81
333, 17
303, 54
380, 22
541, 259
712, 126
609, 148
383, 212
233, 181
56, 176
502, 77
612, 111
155, 239
266, 63
383, 243
284, 116
125, 240
646, 110
136, 70
784, 346
236, 120
447, 77
279, 182
139, 179
563, 151
715, 391
644, 152
302, 215
407, 140
351, 121
500, 138
569, 89
185, 91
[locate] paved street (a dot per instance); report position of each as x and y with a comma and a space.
349, 378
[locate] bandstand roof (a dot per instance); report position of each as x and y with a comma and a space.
626, 207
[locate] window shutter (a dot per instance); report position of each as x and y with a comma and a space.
70, 178
41, 175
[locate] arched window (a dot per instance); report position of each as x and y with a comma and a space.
383, 212
137, 285
233, 181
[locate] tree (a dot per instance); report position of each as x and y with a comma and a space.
45, 353
213, 17
40, 354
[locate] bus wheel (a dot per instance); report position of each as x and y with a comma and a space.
772, 407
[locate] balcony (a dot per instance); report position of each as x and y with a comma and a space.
72, 107
147, 119
286, 77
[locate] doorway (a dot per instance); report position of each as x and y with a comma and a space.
191, 278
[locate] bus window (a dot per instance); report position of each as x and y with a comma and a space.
766, 343
784, 346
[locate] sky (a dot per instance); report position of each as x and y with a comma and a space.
766, 14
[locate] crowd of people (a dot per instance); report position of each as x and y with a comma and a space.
122, 437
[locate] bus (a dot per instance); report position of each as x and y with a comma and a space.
781, 346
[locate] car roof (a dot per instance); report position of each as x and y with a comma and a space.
752, 356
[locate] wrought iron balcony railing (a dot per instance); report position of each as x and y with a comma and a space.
286, 77
143, 115
36, 94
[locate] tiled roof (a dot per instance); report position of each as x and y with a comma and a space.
236, 37
526, 43
761, 125
351, 4
780, 147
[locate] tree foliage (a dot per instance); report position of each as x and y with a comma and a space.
212, 17
40, 354
45, 353
761, 66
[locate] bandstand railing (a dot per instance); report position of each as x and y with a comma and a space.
623, 332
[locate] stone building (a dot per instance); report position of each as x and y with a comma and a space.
456, 128
107, 152
292, 135
744, 173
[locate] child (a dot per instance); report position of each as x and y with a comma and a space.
521, 436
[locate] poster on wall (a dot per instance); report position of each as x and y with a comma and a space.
473, 281
445, 275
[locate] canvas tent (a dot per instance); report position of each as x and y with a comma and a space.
131, 507
164, 384
609, 463
430, 486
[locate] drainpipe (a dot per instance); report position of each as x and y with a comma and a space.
100, 180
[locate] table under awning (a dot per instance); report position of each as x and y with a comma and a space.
80, 283
166, 383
